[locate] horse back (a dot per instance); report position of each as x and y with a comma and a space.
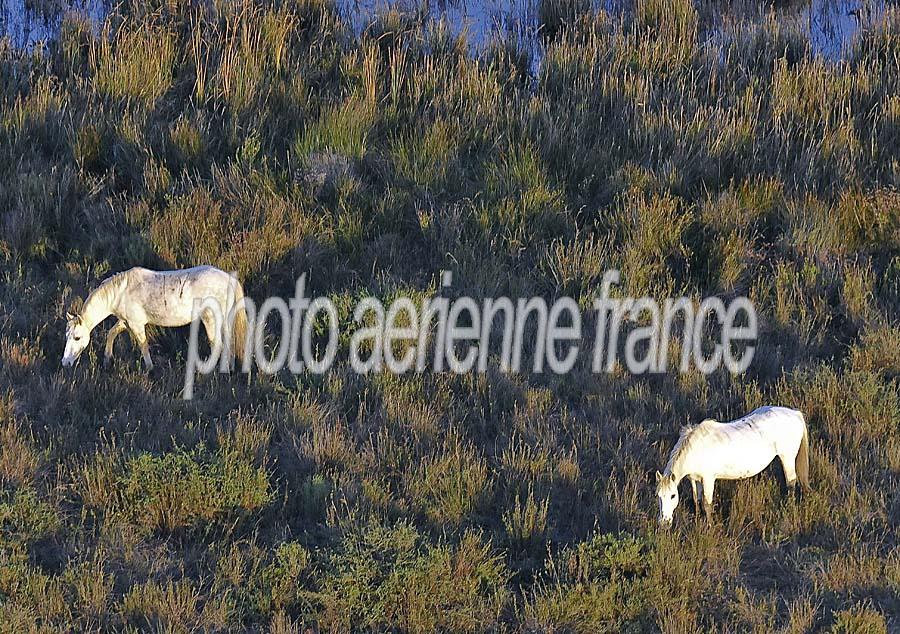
778, 422
165, 298
744, 447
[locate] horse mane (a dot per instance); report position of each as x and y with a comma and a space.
112, 284
685, 436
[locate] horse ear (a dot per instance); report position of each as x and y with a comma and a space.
658, 476
74, 311
672, 478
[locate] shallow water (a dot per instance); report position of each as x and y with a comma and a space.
829, 24
28, 22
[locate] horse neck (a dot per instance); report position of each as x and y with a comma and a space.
679, 465
99, 305
677, 468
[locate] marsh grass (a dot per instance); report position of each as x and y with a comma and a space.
177, 490
134, 63
268, 139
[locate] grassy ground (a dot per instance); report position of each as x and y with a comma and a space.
270, 141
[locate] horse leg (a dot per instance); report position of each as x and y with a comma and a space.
139, 333
213, 334
790, 474
114, 332
708, 488
697, 492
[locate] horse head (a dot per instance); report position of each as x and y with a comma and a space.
78, 336
667, 495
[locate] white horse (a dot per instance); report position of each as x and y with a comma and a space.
139, 297
731, 451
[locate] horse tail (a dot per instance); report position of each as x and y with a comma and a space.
239, 325
802, 462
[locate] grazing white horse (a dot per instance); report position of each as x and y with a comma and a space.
139, 297
742, 448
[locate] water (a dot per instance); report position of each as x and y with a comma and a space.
26, 23
829, 24
832, 25
479, 19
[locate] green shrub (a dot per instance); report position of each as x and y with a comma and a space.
600, 585
451, 485
382, 577
177, 490
26, 516
860, 619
